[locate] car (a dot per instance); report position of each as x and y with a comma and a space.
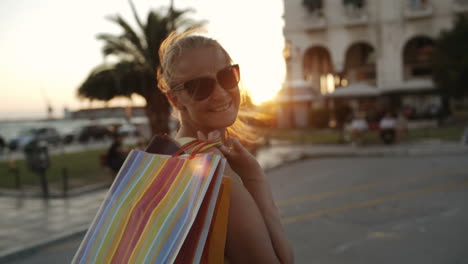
127, 130
88, 133
49, 135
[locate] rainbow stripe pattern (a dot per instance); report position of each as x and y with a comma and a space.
151, 207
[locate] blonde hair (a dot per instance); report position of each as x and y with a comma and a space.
175, 46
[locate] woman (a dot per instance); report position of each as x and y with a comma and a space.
201, 83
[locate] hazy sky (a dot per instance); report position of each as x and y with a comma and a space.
48, 47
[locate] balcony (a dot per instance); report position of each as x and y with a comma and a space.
315, 20
460, 6
355, 16
415, 9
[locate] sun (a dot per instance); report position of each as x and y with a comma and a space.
264, 84
262, 67
255, 44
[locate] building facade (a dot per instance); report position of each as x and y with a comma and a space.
335, 44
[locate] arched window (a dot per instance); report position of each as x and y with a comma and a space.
317, 65
417, 55
360, 64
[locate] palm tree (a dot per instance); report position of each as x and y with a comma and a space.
137, 62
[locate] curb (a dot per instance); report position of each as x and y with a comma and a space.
301, 156
55, 195
28, 249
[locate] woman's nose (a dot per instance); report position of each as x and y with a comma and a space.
219, 92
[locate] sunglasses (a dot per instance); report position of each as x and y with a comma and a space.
201, 88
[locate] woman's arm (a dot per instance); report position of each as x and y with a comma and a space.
255, 182
255, 233
248, 237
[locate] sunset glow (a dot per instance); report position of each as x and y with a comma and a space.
49, 48
255, 44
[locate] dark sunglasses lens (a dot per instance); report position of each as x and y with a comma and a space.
229, 78
200, 88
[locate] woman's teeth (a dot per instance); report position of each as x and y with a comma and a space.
222, 108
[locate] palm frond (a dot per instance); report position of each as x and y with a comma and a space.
135, 15
107, 81
130, 34
119, 46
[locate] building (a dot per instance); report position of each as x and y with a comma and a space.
340, 44
108, 112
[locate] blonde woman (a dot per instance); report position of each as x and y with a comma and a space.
201, 83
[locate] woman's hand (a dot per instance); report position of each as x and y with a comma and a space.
240, 159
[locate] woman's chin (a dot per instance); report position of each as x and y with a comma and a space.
220, 121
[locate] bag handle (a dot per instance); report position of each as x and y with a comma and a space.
198, 146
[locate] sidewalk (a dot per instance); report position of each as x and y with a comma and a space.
28, 223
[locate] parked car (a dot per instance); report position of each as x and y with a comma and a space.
87, 133
127, 130
47, 134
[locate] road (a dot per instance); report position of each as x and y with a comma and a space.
361, 210
376, 210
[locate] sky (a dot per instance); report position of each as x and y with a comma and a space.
48, 47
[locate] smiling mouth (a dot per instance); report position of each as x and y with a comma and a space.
222, 108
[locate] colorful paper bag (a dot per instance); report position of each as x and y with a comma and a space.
162, 209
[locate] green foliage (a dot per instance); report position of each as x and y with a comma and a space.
450, 60
443, 133
306, 136
331, 136
83, 168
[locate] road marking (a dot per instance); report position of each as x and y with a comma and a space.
363, 187
367, 203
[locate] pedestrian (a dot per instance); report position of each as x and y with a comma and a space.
116, 154
202, 84
358, 128
387, 127
2, 144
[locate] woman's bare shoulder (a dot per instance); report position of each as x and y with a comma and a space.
248, 240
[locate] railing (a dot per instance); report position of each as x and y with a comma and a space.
315, 20
355, 15
418, 9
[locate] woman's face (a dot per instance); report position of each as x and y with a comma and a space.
217, 111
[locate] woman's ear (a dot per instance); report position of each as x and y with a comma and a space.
174, 100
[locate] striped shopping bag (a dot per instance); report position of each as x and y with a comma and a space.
162, 209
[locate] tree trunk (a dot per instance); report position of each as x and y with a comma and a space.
158, 111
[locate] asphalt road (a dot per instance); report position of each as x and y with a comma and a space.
376, 210
361, 210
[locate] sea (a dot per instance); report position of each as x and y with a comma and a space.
10, 129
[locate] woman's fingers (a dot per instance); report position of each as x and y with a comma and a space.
237, 145
225, 150
201, 136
